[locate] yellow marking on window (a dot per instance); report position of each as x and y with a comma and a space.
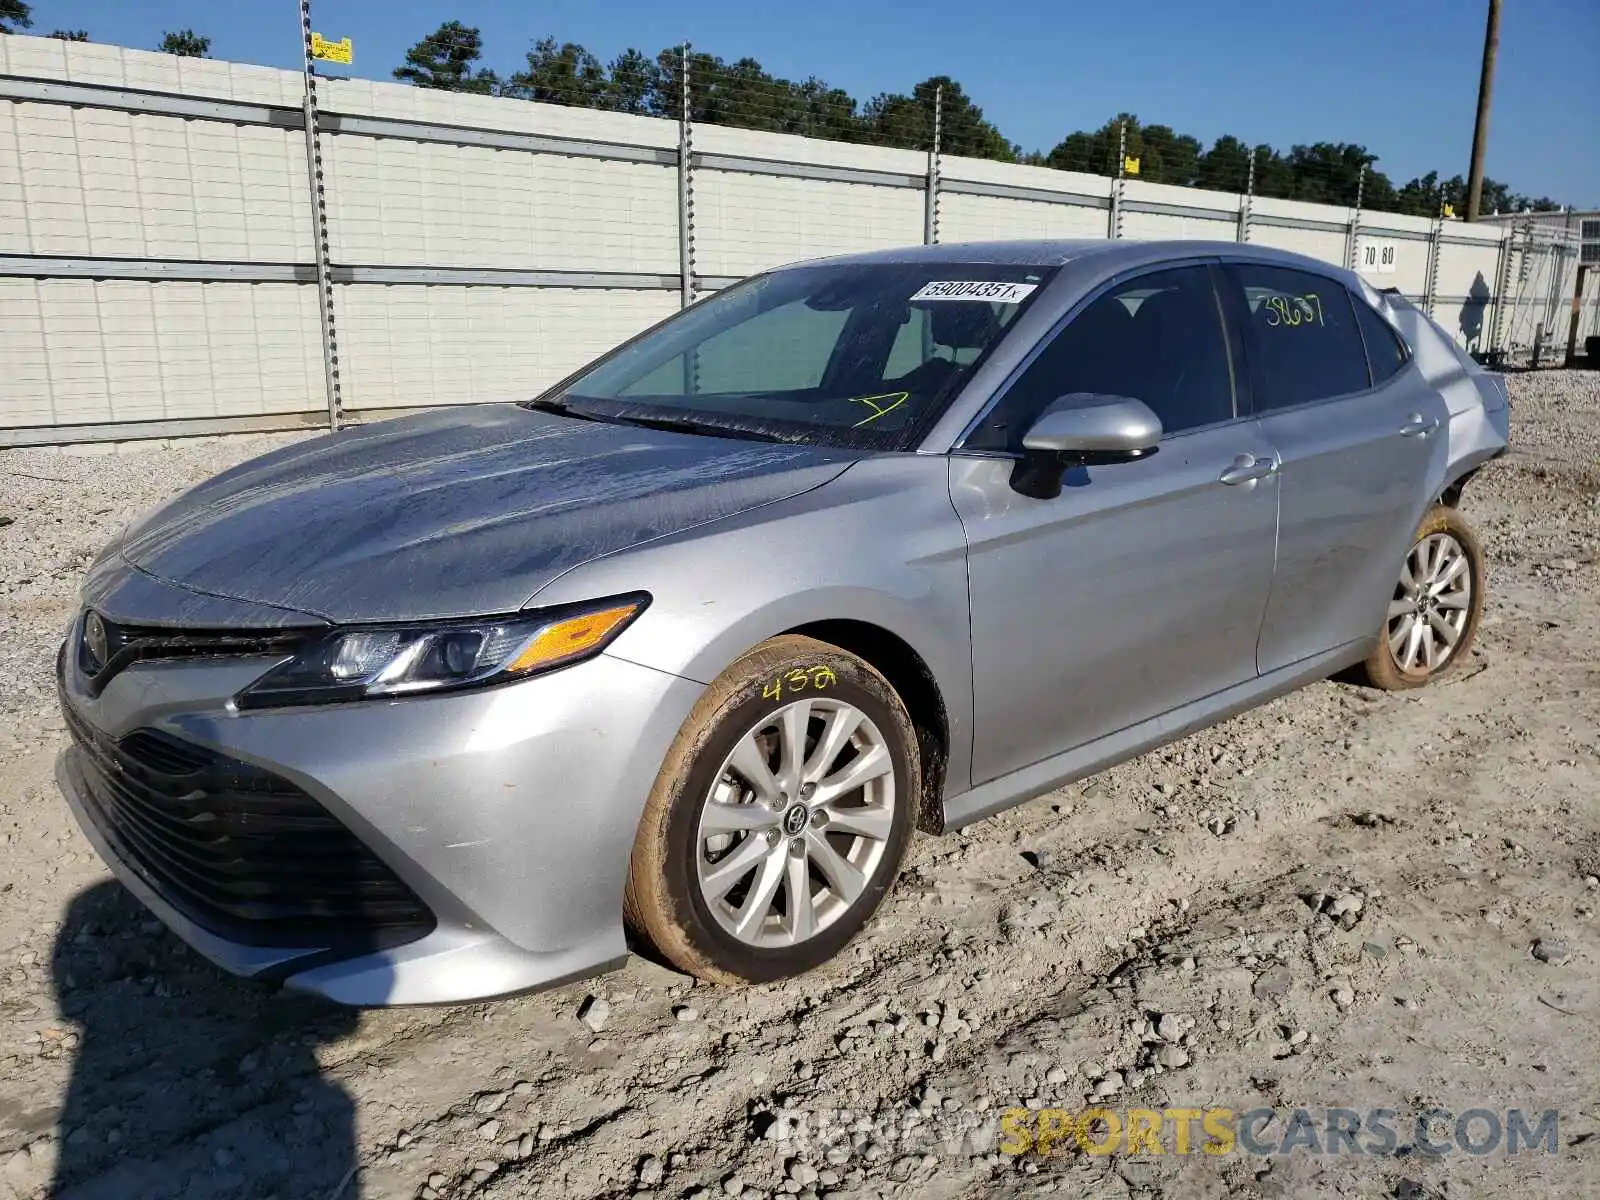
1295, 310
878, 407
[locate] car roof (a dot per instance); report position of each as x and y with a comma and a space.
1106, 254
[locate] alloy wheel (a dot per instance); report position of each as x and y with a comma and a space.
1431, 606
796, 823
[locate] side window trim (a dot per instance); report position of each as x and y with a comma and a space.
1209, 262
1235, 320
1229, 266
1373, 382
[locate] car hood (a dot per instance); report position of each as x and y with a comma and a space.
461, 512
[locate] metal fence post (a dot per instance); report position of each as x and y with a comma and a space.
1353, 236
1502, 286
319, 228
1247, 200
685, 190
930, 215
1435, 240
1114, 220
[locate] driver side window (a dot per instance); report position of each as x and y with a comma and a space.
1158, 338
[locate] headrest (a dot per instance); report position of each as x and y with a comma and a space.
963, 324
1101, 321
1158, 308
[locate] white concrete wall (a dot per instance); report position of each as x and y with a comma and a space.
88, 182
81, 351
102, 183
397, 203
745, 223
410, 346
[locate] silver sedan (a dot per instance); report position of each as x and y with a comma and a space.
685, 650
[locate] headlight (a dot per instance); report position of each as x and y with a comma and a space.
357, 664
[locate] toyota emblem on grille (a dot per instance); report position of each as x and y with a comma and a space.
96, 641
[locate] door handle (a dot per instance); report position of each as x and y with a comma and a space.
1418, 425
1248, 468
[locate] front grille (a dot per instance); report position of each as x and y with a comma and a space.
129, 644
238, 850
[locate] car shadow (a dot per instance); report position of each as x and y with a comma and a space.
187, 1082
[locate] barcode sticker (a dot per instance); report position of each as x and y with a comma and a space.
973, 289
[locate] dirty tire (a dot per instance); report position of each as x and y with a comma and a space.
664, 903
1380, 670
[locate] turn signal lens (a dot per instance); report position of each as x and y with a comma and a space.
576, 636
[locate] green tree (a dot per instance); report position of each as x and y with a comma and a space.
827, 112
899, 120
186, 43
70, 35
1274, 175
1096, 152
443, 61
744, 95
15, 16
1420, 197
632, 81
560, 74
1168, 157
1329, 173
1225, 167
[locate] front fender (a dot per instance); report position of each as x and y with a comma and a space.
880, 545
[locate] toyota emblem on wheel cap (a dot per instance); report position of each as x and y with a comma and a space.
794, 821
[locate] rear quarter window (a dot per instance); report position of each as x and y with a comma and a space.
1386, 353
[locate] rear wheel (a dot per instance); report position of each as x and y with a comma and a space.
1437, 602
780, 817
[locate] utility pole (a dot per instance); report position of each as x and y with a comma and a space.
1480, 131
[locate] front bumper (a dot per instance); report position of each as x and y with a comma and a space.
508, 812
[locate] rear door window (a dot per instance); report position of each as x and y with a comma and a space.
1305, 344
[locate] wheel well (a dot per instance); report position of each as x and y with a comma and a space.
1451, 496
909, 676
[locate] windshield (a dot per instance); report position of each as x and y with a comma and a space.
859, 356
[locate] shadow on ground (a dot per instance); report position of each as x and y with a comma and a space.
187, 1082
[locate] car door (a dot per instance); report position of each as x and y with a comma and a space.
1359, 435
1141, 586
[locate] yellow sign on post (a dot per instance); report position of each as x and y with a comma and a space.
339, 52
1130, 166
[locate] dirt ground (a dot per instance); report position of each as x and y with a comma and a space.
1344, 900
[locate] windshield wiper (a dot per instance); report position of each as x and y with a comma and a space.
685, 425
673, 424
560, 408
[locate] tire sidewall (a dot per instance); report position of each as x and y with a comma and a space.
750, 699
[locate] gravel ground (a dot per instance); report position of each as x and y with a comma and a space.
1343, 899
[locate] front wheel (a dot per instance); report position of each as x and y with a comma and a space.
1437, 602
780, 817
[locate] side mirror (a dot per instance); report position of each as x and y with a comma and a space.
1083, 429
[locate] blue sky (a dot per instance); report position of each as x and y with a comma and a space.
1400, 77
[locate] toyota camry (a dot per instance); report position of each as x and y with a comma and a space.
684, 651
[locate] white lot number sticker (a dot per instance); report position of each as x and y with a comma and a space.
973, 289
1379, 257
